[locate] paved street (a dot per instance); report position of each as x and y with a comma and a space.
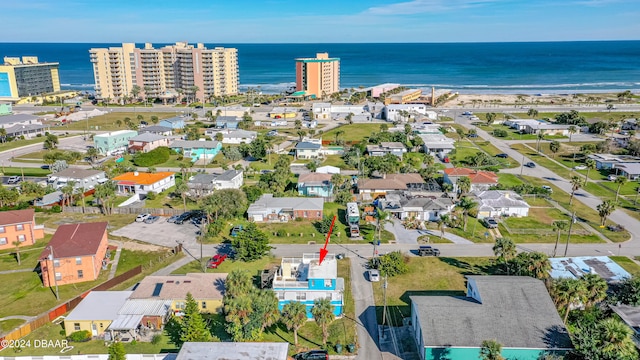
367, 328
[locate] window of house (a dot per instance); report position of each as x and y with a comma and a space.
3, 241
301, 296
22, 238
318, 214
101, 326
280, 296
76, 326
327, 283
56, 263
78, 261
179, 305
20, 227
2, 229
58, 276
305, 214
204, 305
80, 274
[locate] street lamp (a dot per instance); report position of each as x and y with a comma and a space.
55, 280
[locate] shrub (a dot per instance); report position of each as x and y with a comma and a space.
80, 336
500, 133
154, 157
155, 340
56, 209
151, 195
281, 233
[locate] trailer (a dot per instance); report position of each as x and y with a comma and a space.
353, 213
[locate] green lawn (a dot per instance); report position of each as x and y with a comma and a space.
20, 143
475, 231
556, 166
337, 161
130, 259
509, 179
108, 121
29, 256
8, 171
8, 325
428, 276
627, 264
53, 220
353, 132
254, 267
166, 199
513, 134
630, 188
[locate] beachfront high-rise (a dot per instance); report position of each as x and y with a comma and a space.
20, 77
319, 76
165, 72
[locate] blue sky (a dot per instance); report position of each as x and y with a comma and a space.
304, 21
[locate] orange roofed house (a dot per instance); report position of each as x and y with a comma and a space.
19, 225
480, 180
78, 252
142, 183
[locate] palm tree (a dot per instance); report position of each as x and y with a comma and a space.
219, 136
17, 245
617, 339
558, 226
460, 133
572, 130
491, 350
3, 135
67, 193
338, 134
576, 184
554, 146
605, 209
384, 217
532, 113
539, 138
294, 315
442, 223
590, 164
620, 180
322, 312
92, 154
446, 188
464, 185
119, 122
301, 134
135, 91
567, 293
466, 204
182, 189
505, 250
239, 283
596, 289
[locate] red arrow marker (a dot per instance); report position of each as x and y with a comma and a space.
324, 251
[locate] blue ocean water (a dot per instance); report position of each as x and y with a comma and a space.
534, 67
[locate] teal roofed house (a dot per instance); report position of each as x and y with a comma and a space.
515, 311
114, 141
197, 149
305, 279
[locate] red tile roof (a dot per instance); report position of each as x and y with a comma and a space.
73, 240
391, 182
476, 176
16, 217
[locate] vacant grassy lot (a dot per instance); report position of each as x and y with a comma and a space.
627, 264
337, 161
513, 134
29, 256
130, 259
53, 220
428, 276
475, 231
353, 132
8, 325
8, 171
108, 121
19, 143
509, 179
254, 267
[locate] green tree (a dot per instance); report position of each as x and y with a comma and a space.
135, 91
194, 329
384, 127
576, 184
338, 134
239, 283
604, 210
558, 226
447, 188
219, 136
182, 189
460, 133
154, 119
590, 164
466, 204
567, 293
294, 316
490, 117
534, 264
620, 180
390, 264
116, 351
532, 113
628, 291
301, 134
105, 193
323, 225
251, 244
539, 138
617, 340
491, 350
119, 123
92, 154
16, 245
298, 124
554, 146
572, 130
224, 204
322, 312
265, 306
505, 250
596, 289
464, 185
51, 142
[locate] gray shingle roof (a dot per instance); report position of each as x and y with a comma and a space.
517, 311
78, 173
267, 201
209, 178
16, 129
304, 145
147, 137
194, 144
497, 199
99, 305
175, 119
155, 129
233, 351
8, 119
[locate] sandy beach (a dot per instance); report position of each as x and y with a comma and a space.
488, 100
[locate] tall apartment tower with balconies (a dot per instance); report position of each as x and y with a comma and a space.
319, 76
166, 72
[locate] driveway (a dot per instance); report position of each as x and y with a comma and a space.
366, 322
160, 233
406, 236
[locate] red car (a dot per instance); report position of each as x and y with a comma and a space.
216, 260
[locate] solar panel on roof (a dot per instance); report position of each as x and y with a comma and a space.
157, 289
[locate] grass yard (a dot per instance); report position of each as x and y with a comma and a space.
630, 188
626, 263
53, 220
166, 199
9, 171
475, 231
428, 276
108, 121
254, 267
303, 232
130, 259
537, 201
337, 161
8, 325
353, 132
513, 134
20, 143
509, 179
29, 256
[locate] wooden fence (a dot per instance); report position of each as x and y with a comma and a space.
123, 210
60, 310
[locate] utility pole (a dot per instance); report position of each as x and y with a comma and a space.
522, 165
573, 219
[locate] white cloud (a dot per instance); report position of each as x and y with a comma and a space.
426, 6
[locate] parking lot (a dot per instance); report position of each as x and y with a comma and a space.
160, 232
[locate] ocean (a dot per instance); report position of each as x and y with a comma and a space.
515, 68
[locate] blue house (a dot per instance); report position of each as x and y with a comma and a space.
197, 149
176, 122
305, 280
315, 184
227, 122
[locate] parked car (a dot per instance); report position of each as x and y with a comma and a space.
612, 177
183, 217
236, 230
503, 156
312, 355
490, 223
216, 260
13, 179
446, 160
272, 133
467, 113
142, 217
427, 250
173, 218
580, 167
374, 275
530, 165
548, 188
151, 219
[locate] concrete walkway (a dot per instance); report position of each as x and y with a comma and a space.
15, 271
449, 236
17, 317
116, 259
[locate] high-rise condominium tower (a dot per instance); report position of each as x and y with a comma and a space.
319, 76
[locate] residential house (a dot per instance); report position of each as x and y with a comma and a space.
403, 205
630, 124
207, 290
112, 142
82, 179
496, 203
269, 208
142, 183
579, 266
96, 312
630, 171
375, 109
308, 149
546, 129
315, 184
51, 199
25, 125
394, 112
227, 122
437, 144
146, 142
328, 169
306, 279
395, 148
403, 97
157, 129
175, 123
76, 253
204, 184
20, 226
197, 149
373, 188
233, 136
611, 161
139, 314
426, 128
235, 111
480, 180
283, 113
321, 110
515, 311
234, 351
